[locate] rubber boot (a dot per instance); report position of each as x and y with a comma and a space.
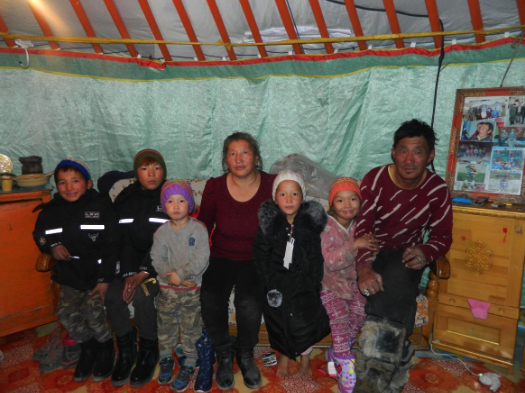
204, 380
86, 363
345, 372
127, 354
224, 377
104, 361
250, 373
147, 360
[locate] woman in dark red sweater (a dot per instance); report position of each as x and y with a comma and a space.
230, 202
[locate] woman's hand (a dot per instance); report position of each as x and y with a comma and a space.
131, 284
413, 258
188, 284
174, 279
60, 253
369, 282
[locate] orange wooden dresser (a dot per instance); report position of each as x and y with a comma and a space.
27, 298
486, 264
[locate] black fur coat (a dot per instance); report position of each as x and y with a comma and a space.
299, 320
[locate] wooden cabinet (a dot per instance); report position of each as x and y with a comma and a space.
27, 297
486, 264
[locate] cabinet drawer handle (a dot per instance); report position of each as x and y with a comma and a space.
452, 301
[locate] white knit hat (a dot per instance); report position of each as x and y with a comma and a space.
288, 175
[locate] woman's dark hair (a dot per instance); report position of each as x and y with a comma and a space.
242, 136
414, 128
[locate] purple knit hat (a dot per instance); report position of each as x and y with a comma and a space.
177, 187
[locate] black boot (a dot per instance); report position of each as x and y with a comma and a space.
146, 362
104, 361
250, 372
224, 376
127, 354
86, 363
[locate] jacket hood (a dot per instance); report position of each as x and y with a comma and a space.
311, 217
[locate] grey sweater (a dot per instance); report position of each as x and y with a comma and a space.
185, 251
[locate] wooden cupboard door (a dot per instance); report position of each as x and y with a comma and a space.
494, 337
486, 259
26, 297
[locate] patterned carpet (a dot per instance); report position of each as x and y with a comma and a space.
19, 374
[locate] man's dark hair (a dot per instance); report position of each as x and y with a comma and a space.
488, 123
242, 136
413, 128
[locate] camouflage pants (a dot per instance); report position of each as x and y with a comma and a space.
178, 308
82, 315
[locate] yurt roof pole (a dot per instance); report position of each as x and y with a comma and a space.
222, 29
39, 16
250, 18
183, 15
86, 25
148, 14
120, 26
321, 24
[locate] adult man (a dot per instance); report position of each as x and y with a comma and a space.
483, 132
401, 202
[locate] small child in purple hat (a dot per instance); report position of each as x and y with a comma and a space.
180, 255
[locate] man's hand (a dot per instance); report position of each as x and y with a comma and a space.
188, 284
369, 281
101, 288
131, 284
60, 253
413, 258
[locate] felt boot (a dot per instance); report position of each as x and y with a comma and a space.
86, 363
224, 376
204, 380
380, 350
250, 373
104, 361
127, 354
147, 360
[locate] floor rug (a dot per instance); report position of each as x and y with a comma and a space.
19, 374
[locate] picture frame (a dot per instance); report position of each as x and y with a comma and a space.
487, 144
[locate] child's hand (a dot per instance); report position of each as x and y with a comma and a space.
366, 242
60, 253
188, 284
174, 279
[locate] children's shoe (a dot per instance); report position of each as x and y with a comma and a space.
329, 354
53, 339
166, 371
53, 361
345, 366
183, 379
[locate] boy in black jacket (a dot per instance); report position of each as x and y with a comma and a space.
78, 227
140, 215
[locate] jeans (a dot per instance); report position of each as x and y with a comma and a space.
218, 281
401, 287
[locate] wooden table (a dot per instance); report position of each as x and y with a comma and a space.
27, 297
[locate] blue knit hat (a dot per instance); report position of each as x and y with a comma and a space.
83, 168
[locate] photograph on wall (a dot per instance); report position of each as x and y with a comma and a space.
487, 144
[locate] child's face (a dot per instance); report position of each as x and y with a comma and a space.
289, 198
346, 205
177, 207
71, 185
150, 176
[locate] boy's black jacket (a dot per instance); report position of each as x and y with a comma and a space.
137, 237
96, 249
